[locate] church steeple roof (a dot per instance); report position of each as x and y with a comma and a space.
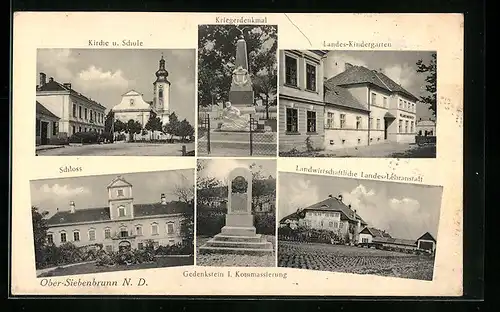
161, 73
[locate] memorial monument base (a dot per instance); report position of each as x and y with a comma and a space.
237, 240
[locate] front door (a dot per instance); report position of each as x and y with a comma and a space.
386, 124
44, 133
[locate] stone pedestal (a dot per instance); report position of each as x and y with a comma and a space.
239, 234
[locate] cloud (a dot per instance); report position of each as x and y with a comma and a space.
97, 78
55, 63
62, 190
401, 217
403, 74
335, 63
300, 193
220, 168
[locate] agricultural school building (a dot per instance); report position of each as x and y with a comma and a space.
122, 223
75, 111
373, 236
331, 214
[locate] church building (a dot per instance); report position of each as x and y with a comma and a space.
133, 106
121, 223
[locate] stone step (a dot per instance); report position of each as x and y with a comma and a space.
241, 251
233, 238
238, 244
238, 231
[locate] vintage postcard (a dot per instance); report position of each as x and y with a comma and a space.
324, 154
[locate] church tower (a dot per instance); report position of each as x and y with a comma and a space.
120, 199
161, 86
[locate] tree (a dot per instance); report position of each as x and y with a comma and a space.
184, 190
261, 186
108, 122
39, 233
265, 89
172, 125
133, 127
154, 123
216, 57
119, 126
184, 129
431, 85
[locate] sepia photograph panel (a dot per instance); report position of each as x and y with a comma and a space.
107, 223
115, 102
236, 213
357, 104
237, 90
358, 226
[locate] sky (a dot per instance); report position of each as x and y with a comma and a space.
91, 192
404, 210
220, 167
397, 65
106, 74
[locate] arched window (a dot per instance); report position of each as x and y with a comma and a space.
62, 236
170, 227
107, 233
154, 229
92, 234
50, 238
121, 211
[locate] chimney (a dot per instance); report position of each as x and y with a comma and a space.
349, 205
163, 199
72, 206
42, 79
340, 197
420, 119
51, 79
67, 85
347, 66
330, 195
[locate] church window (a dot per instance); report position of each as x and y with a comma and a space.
131, 102
120, 192
160, 93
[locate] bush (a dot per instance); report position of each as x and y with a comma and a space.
105, 137
84, 137
210, 222
121, 137
265, 223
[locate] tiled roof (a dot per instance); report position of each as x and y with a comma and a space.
361, 74
42, 110
427, 236
340, 96
395, 241
334, 204
378, 233
56, 86
292, 216
102, 214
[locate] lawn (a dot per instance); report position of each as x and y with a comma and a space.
233, 260
90, 268
348, 259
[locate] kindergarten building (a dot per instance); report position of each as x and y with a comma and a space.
357, 107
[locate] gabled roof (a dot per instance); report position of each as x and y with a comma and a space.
42, 110
102, 213
292, 216
56, 86
119, 180
395, 241
336, 95
335, 204
360, 75
376, 232
427, 236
